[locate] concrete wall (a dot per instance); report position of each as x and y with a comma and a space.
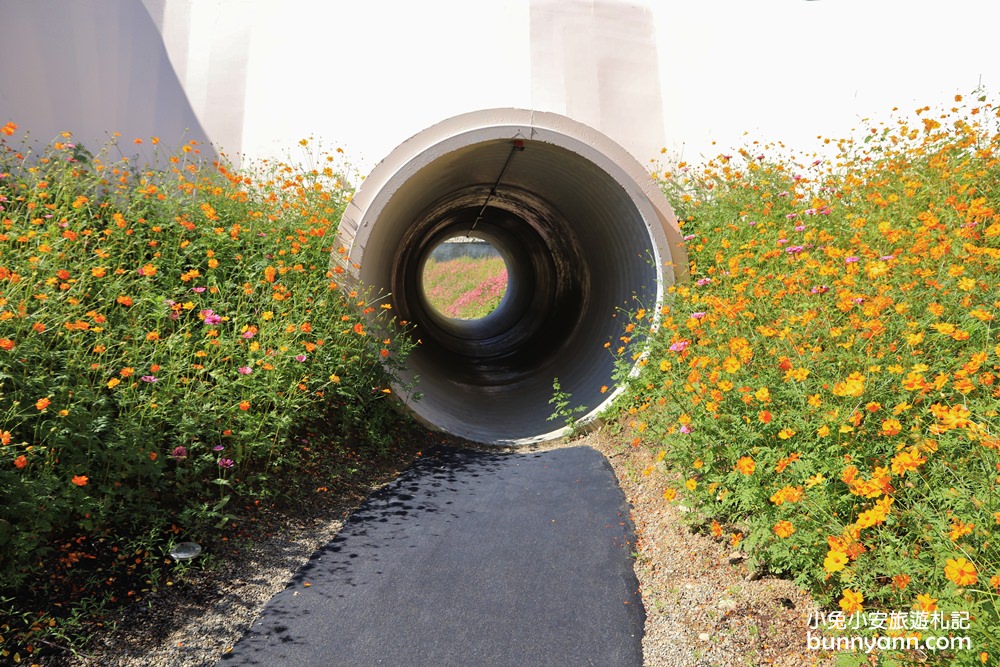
92, 67
255, 76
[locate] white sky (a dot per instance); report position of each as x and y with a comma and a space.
367, 75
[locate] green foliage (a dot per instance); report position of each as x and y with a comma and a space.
562, 401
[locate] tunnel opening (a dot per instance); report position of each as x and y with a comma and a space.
582, 231
465, 277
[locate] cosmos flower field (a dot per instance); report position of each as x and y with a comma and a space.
170, 332
823, 393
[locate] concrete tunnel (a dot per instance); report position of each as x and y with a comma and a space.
584, 232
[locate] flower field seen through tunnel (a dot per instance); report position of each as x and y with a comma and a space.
466, 288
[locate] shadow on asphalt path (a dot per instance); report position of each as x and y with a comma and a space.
469, 558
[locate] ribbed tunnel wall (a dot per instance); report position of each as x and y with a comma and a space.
584, 233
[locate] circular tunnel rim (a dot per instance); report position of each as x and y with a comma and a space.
469, 129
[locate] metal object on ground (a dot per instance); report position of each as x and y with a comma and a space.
185, 551
585, 234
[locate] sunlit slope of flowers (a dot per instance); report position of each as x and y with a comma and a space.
824, 391
165, 332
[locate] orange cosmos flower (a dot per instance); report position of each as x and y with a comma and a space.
783, 529
746, 465
42, 403
891, 427
851, 601
907, 460
787, 461
797, 374
21, 461
80, 480
788, 494
959, 529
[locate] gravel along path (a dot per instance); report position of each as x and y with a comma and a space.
703, 606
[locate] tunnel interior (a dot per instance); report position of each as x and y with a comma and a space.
580, 246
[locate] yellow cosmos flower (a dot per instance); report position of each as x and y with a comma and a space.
960, 571
834, 561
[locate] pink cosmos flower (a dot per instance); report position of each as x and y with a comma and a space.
210, 317
679, 346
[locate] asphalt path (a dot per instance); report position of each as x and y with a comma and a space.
469, 558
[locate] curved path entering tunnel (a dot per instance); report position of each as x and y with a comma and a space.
468, 558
